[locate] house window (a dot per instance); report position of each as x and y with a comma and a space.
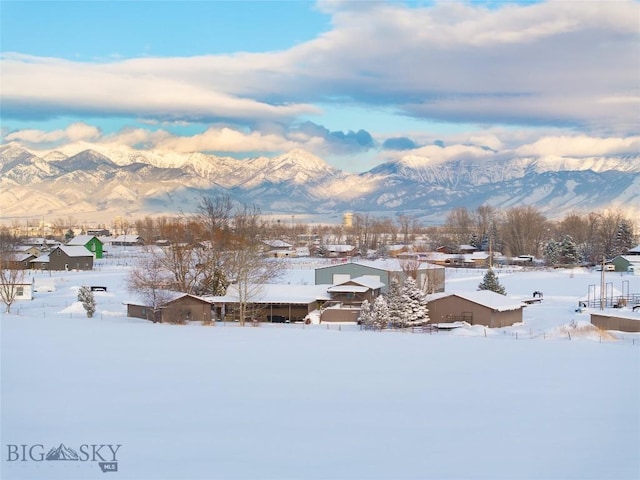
20, 291
59, 253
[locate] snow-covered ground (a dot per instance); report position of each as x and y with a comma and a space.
547, 399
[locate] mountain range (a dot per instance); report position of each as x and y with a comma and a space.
99, 185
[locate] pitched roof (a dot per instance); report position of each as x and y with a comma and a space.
277, 293
386, 264
362, 284
486, 298
81, 240
75, 251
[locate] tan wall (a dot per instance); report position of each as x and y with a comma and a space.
186, 309
609, 322
442, 308
340, 315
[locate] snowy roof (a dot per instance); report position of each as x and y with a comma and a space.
635, 250
41, 259
618, 312
277, 293
19, 257
81, 240
631, 258
486, 298
363, 284
387, 264
347, 289
339, 248
277, 243
126, 238
75, 251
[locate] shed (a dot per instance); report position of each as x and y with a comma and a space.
622, 321
476, 308
182, 308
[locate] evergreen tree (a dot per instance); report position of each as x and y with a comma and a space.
416, 303
475, 242
623, 240
569, 251
85, 296
397, 304
365, 318
380, 313
552, 253
490, 282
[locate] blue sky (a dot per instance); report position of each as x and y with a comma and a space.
357, 83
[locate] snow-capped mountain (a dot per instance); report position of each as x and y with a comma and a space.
98, 183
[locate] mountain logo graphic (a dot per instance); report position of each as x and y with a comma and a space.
62, 453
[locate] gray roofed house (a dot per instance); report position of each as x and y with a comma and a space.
65, 258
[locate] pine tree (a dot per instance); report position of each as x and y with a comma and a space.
380, 313
85, 296
365, 318
569, 251
416, 303
398, 312
623, 241
552, 253
490, 282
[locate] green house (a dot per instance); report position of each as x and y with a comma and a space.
90, 242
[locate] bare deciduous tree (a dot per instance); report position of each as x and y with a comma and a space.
11, 280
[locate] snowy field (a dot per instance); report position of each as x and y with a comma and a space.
547, 399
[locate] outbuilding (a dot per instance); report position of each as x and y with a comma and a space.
483, 307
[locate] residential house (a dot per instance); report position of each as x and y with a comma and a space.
340, 251
127, 241
31, 249
347, 298
428, 277
90, 242
181, 308
634, 251
279, 249
19, 261
65, 258
627, 263
482, 307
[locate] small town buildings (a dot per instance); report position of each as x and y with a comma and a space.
90, 242
626, 263
271, 302
127, 241
64, 258
18, 261
179, 309
430, 278
482, 307
356, 290
31, 249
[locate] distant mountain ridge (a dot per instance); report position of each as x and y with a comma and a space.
125, 181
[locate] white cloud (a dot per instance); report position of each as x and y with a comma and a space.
73, 133
581, 146
555, 63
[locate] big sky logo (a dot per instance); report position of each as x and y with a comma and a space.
104, 454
